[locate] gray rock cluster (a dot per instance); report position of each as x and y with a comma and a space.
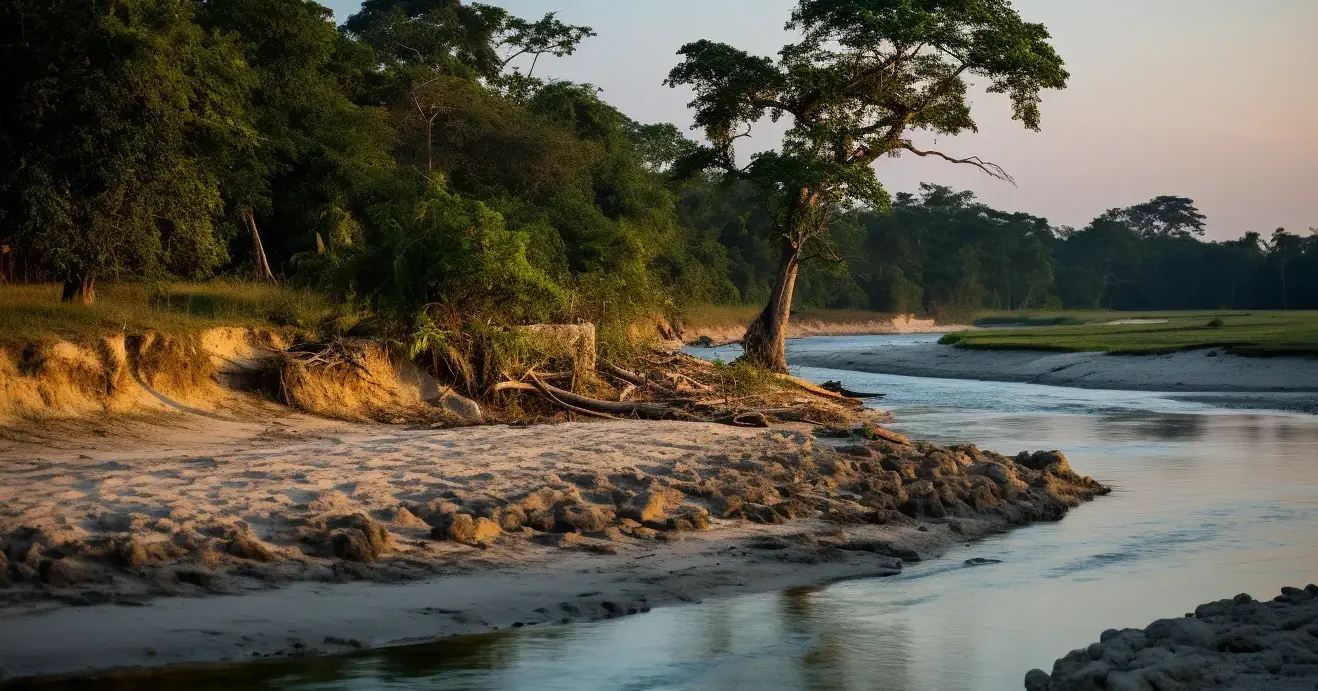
1232, 645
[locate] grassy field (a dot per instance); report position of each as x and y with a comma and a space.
1135, 333
34, 313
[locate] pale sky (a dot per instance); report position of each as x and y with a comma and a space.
1216, 100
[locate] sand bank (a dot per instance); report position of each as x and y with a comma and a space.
1191, 371
806, 327
209, 540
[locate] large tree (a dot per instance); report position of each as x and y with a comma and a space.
864, 76
116, 119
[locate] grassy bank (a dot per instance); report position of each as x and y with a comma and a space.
1136, 333
34, 313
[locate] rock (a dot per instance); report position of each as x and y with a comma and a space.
979, 561
1191, 632
1037, 680
4, 569
1049, 461
468, 530
461, 407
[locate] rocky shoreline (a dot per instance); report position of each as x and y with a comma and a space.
1240, 644
708, 510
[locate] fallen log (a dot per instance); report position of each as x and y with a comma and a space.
837, 388
821, 391
650, 411
751, 419
634, 379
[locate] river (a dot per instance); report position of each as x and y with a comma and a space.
1208, 502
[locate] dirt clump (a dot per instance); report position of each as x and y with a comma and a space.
358, 538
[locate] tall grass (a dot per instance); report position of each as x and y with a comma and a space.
33, 313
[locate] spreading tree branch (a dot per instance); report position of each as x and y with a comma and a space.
991, 169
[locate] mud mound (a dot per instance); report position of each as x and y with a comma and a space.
1230, 645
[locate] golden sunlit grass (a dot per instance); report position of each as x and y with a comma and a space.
34, 313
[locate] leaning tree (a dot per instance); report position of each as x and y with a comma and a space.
864, 76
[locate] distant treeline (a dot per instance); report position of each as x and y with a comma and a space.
411, 162
941, 250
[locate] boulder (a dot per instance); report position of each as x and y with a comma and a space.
460, 407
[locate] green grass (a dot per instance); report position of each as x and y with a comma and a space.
1245, 333
34, 313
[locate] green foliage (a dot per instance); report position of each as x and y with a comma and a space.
118, 118
743, 378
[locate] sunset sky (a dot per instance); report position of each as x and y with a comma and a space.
1211, 99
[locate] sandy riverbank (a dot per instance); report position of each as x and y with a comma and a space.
806, 327
1191, 371
1231, 645
209, 540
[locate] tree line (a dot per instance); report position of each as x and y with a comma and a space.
412, 162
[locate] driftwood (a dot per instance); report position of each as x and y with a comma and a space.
821, 391
650, 411
837, 388
629, 377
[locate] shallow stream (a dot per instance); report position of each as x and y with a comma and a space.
1209, 502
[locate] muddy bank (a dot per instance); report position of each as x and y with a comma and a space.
1194, 371
1232, 645
807, 327
289, 539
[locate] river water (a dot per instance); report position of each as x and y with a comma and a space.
1208, 502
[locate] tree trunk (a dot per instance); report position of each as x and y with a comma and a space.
261, 264
766, 338
81, 287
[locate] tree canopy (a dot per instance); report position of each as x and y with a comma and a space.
411, 164
864, 78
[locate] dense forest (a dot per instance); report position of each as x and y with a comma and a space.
411, 162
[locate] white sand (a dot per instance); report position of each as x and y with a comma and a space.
1192, 371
